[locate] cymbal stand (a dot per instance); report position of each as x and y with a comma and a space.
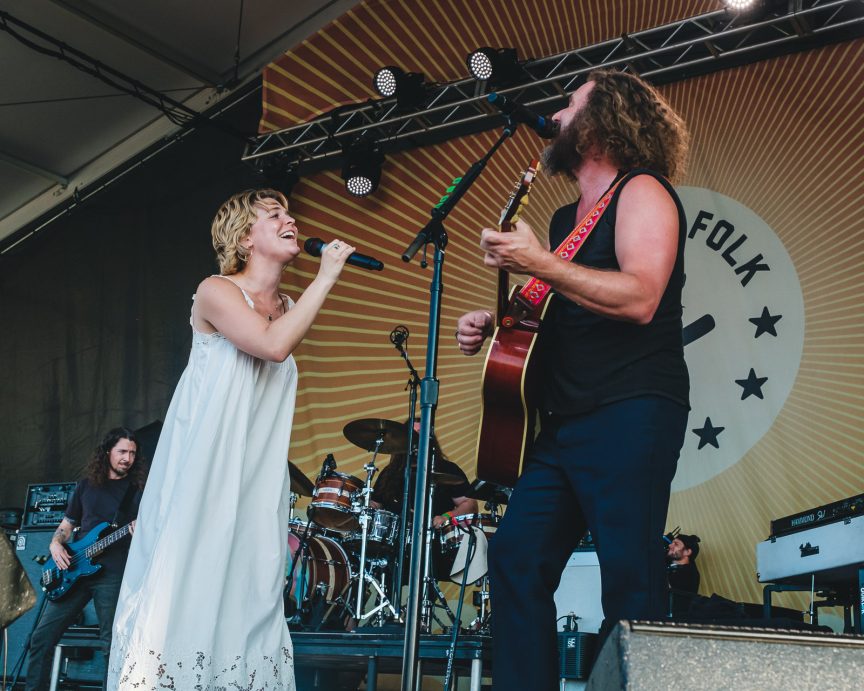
431, 592
292, 500
300, 594
363, 575
481, 623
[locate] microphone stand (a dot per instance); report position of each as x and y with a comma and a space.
413, 383
433, 232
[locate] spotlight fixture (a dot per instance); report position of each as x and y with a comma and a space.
495, 65
739, 5
408, 87
361, 167
279, 172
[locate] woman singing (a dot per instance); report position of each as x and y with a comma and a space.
201, 600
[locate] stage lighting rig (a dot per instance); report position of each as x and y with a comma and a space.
279, 172
409, 88
361, 166
498, 66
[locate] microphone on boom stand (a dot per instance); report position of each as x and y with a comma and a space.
399, 336
327, 467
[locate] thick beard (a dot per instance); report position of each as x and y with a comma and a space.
562, 155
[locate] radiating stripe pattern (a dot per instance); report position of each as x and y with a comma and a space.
784, 137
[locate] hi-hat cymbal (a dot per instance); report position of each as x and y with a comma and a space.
366, 432
441, 478
489, 491
300, 484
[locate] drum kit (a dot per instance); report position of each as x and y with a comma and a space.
341, 564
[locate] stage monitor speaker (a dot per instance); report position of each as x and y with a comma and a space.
646, 655
575, 654
31, 548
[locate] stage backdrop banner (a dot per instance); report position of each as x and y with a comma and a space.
773, 318
96, 307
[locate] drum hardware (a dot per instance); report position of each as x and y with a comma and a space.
324, 576
451, 537
431, 593
381, 536
364, 576
493, 494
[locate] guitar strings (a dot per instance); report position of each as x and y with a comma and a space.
78, 556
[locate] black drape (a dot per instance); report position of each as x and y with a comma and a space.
95, 308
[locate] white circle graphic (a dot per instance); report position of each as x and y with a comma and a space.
743, 332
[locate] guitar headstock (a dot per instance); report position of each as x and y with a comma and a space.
519, 197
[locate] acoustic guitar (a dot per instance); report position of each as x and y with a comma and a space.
509, 388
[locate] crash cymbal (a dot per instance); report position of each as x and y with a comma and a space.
364, 433
300, 484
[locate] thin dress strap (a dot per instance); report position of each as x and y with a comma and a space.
245, 294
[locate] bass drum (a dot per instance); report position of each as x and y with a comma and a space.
320, 573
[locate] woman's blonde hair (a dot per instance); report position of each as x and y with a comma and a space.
232, 223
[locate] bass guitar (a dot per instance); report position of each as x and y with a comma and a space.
509, 388
56, 582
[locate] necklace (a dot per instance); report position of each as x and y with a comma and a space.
281, 304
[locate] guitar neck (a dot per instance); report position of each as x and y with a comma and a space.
103, 544
503, 294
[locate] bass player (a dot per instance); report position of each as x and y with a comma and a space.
110, 491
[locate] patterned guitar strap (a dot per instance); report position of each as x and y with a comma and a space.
535, 290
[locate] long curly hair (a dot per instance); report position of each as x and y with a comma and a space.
389, 483
98, 465
232, 223
629, 121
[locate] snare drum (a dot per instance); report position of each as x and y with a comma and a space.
332, 501
382, 534
323, 563
451, 535
300, 527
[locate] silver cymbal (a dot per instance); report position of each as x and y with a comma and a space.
366, 432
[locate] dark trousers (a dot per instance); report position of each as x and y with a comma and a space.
104, 588
609, 471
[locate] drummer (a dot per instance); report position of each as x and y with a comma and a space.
450, 498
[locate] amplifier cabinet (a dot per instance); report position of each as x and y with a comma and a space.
31, 548
46, 505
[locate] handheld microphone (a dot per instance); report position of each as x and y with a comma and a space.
314, 246
398, 336
545, 127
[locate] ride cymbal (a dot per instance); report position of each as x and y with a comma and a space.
367, 432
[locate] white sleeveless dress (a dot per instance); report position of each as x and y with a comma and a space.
200, 607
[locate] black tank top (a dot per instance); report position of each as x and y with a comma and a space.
589, 360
